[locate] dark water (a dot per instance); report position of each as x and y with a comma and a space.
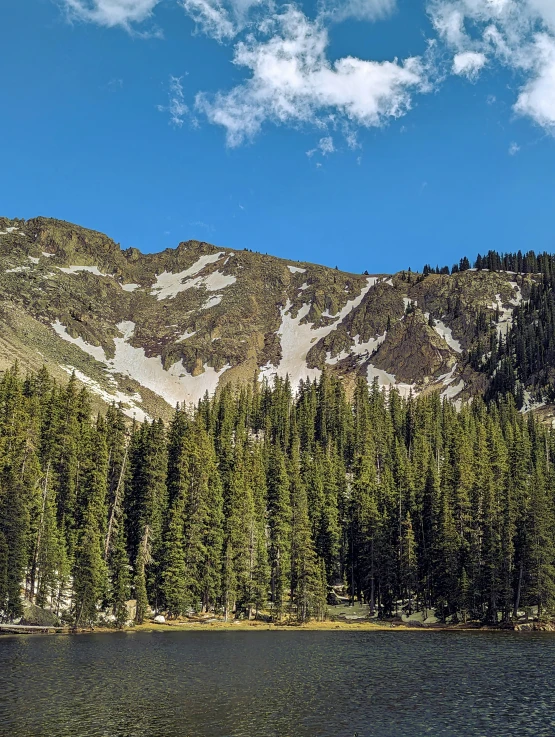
278, 684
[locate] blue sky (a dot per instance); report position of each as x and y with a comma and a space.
368, 134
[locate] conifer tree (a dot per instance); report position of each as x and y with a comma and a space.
279, 524
14, 521
120, 578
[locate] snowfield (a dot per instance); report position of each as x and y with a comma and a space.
75, 269
447, 334
174, 385
388, 381
129, 403
168, 285
297, 338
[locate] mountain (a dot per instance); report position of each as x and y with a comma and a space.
151, 330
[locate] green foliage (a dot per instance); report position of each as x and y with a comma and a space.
259, 500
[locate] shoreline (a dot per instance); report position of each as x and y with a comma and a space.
326, 626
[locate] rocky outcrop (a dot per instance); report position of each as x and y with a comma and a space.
151, 330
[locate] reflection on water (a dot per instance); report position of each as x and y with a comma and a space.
278, 684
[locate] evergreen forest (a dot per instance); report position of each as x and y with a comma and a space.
257, 502
523, 360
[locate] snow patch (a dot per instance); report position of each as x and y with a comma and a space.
303, 287
130, 287
185, 336
96, 352
129, 406
17, 269
47, 255
449, 377
505, 322
358, 349
33, 259
388, 381
389, 281
296, 270
212, 302
447, 334
367, 348
9, 230
217, 280
75, 269
169, 285
174, 385
452, 391
529, 405
297, 339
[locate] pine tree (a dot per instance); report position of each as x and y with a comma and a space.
305, 577
88, 572
279, 523
139, 582
174, 591
14, 522
120, 578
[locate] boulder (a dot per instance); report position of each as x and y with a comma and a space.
36, 616
159, 619
131, 606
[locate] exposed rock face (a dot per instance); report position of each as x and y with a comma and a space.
153, 330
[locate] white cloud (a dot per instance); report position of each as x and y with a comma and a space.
176, 106
325, 146
213, 18
292, 81
469, 64
352, 140
545, 9
222, 19
537, 98
366, 10
111, 13
514, 148
519, 34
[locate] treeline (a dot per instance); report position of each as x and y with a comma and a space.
519, 263
522, 362
258, 502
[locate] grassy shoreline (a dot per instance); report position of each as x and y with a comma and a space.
313, 626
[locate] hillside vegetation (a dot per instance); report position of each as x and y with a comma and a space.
261, 501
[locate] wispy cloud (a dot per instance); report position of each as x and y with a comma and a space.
519, 34
111, 13
212, 17
293, 82
325, 146
224, 19
202, 225
514, 148
291, 79
469, 64
115, 84
365, 10
176, 107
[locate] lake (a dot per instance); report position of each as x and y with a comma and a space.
278, 684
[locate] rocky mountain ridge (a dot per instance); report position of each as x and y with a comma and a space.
151, 330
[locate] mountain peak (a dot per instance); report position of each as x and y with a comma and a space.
152, 330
